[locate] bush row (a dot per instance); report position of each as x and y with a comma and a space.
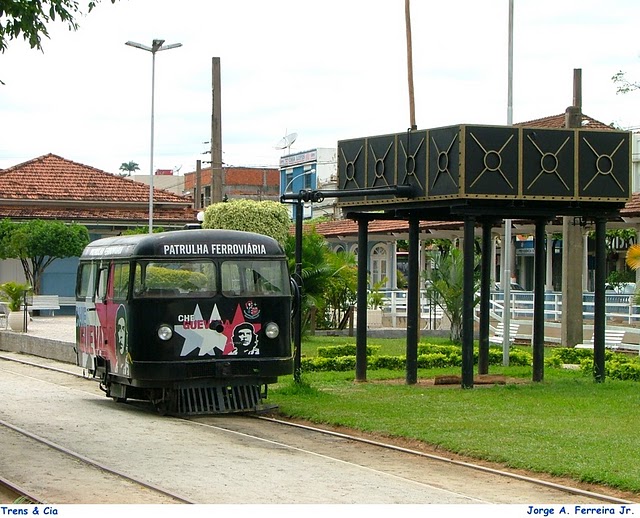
617, 366
429, 357
335, 351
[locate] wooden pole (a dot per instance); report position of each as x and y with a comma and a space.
197, 201
412, 104
216, 133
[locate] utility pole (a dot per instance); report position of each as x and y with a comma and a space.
572, 244
412, 104
197, 200
216, 133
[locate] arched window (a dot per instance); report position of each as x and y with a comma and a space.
379, 264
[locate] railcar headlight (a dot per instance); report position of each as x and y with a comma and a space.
272, 330
165, 332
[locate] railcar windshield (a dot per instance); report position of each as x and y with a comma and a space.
238, 278
175, 279
242, 278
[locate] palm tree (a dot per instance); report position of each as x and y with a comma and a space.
129, 167
329, 279
445, 287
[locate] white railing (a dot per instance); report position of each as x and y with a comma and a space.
395, 305
618, 306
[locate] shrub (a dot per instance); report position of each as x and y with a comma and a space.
333, 351
435, 360
617, 366
429, 357
387, 362
569, 355
627, 371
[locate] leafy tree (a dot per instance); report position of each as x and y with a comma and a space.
263, 217
30, 18
329, 279
624, 85
38, 243
342, 289
128, 168
445, 284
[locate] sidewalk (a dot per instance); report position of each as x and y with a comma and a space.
60, 328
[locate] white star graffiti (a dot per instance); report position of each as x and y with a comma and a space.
207, 340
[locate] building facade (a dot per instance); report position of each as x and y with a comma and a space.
312, 169
254, 183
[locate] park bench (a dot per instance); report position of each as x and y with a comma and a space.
612, 340
498, 336
43, 303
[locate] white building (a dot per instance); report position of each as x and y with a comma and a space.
312, 169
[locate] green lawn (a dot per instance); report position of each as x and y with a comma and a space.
567, 425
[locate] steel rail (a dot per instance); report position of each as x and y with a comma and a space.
24, 496
531, 480
95, 463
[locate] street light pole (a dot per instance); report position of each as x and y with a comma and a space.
298, 206
156, 46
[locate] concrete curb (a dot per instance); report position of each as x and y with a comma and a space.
37, 346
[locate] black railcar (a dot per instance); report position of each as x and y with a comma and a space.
195, 321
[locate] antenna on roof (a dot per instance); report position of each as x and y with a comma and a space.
286, 141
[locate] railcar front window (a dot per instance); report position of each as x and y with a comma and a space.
175, 279
254, 278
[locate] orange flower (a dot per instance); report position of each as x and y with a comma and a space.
633, 256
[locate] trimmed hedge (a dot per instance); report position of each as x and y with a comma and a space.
617, 366
429, 357
334, 351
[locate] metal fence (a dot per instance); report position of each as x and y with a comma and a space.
618, 306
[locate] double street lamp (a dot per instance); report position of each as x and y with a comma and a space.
156, 46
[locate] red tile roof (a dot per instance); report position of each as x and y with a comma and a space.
53, 187
51, 177
558, 121
348, 227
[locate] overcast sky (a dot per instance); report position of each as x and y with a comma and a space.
327, 70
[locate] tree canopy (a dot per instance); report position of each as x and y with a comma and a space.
624, 85
38, 243
129, 167
263, 217
30, 18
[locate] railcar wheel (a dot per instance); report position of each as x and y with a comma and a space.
161, 407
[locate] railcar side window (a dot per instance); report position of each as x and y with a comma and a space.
103, 279
254, 278
120, 281
86, 282
174, 279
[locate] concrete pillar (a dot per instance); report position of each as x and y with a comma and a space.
572, 321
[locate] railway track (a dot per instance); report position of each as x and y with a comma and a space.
140, 491
448, 478
11, 493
